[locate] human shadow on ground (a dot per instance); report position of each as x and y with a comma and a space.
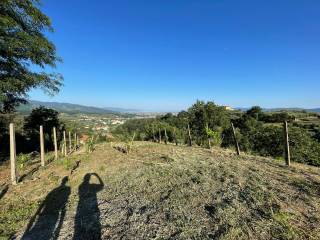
47, 221
87, 221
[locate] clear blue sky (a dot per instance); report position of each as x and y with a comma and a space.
164, 54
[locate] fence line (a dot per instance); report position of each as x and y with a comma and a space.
13, 154
236, 143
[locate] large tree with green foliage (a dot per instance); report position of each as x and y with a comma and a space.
203, 115
46, 117
24, 48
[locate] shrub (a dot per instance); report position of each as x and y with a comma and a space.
90, 145
23, 159
304, 148
214, 137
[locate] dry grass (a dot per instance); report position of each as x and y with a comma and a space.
168, 192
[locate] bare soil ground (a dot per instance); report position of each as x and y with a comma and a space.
163, 192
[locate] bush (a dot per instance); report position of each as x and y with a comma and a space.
268, 141
23, 159
304, 148
214, 137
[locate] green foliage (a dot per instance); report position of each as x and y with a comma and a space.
129, 144
126, 130
23, 159
23, 43
267, 141
203, 114
90, 144
284, 228
46, 117
210, 125
214, 137
304, 149
255, 112
14, 216
277, 117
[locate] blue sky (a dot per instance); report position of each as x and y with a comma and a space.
162, 55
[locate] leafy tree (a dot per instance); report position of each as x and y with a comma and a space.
23, 46
46, 117
198, 121
203, 114
255, 112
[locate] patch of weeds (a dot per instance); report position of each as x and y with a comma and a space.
68, 163
49, 157
280, 159
23, 160
53, 178
14, 216
284, 229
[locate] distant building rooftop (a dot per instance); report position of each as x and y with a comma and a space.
228, 108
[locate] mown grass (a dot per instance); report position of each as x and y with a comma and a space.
169, 192
24, 199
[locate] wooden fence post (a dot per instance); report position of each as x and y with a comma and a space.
235, 139
189, 136
70, 142
13, 154
209, 139
286, 143
55, 143
62, 148
165, 136
75, 141
154, 136
78, 142
42, 146
64, 143
175, 136
159, 135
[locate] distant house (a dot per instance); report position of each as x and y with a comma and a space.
228, 108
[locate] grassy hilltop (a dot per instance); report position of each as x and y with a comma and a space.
168, 192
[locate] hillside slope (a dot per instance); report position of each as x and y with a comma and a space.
164, 192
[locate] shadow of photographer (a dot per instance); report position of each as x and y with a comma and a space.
87, 220
47, 221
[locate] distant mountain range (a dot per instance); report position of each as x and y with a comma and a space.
71, 108
76, 108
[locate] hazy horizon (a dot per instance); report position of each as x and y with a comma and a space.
168, 110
